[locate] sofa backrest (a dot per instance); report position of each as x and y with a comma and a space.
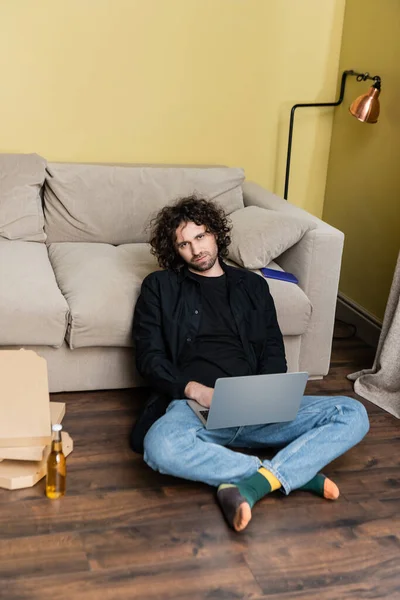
114, 204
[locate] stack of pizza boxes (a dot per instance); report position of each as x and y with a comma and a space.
26, 417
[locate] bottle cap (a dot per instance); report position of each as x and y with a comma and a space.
56, 427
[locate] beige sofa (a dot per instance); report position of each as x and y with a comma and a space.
74, 251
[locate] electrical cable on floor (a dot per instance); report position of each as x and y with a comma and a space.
352, 327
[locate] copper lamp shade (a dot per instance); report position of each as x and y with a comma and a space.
366, 107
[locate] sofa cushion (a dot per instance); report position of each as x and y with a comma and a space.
32, 308
101, 284
259, 235
21, 214
293, 308
113, 204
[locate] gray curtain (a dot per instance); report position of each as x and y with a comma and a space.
381, 384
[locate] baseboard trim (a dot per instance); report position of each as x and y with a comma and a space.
368, 327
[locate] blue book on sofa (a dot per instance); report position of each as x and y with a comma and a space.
282, 275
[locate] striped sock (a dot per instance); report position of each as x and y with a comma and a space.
236, 501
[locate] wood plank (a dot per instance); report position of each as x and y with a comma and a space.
162, 540
42, 555
94, 510
198, 579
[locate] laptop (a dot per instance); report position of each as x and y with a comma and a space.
253, 400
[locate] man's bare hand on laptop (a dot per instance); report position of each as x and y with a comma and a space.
199, 392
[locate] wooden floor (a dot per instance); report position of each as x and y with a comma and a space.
125, 532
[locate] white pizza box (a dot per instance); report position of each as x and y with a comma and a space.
15, 475
24, 399
57, 412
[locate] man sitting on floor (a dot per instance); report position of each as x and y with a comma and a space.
200, 319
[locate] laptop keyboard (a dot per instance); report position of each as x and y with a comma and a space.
204, 414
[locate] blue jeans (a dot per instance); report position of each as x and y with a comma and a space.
325, 427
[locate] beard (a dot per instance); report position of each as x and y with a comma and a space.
204, 265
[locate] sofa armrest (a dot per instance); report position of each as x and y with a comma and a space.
316, 261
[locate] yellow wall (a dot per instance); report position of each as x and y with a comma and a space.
363, 185
192, 81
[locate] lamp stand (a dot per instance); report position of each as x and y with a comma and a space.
359, 76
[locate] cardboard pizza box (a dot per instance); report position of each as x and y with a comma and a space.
15, 475
24, 399
57, 412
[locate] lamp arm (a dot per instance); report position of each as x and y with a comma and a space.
345, 74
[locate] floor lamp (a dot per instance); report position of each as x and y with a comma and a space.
365, 108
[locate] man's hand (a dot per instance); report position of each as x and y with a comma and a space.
199, 392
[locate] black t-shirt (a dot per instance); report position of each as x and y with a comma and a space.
217, 350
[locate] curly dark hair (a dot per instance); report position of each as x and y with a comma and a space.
197, 210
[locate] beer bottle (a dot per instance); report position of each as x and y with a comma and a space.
56, 466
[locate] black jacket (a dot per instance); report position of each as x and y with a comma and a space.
166, 321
